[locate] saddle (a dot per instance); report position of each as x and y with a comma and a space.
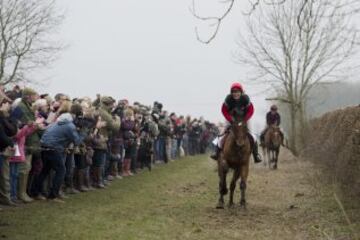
225, 134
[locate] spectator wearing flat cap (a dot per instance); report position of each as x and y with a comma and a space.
112, 125
25, 115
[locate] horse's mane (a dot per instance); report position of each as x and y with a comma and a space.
231, 139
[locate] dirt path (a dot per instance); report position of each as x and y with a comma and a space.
177, 201
287, 203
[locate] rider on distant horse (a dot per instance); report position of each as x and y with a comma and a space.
237, 103
272, 118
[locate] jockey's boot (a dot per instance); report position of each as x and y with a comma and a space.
282, 139
254, 147
256, 155
216, 154
262, 139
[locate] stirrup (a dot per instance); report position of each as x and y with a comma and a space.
215, 156
257, 159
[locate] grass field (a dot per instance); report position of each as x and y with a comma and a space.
177, 201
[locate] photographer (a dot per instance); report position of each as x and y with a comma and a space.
164, 132
148, 132
84, 127
119, 109
157, 108
102, 158
128, 128
86, 124
179, 132
194, 137
56, 138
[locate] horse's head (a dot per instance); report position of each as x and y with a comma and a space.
239, 129
275, 136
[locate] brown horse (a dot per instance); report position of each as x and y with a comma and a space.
235, 155
271, 148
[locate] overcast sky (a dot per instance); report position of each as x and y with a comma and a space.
147, 51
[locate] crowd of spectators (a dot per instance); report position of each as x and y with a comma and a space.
54, 146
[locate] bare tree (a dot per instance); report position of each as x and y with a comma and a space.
294, 46
26, 41
215, 21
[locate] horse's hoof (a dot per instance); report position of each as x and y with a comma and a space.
220, 206
231, 205
224, 192
243, 204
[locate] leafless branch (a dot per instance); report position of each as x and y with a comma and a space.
25, 32
255, 5
299, 44
217, 21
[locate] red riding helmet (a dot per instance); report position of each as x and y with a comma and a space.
236, 86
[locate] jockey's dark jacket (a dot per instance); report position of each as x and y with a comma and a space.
242, 107
273, 118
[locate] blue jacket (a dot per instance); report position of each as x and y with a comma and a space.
60, 134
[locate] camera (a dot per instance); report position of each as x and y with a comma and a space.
84, 123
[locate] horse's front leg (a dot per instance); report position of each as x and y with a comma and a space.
273, 158
222, 171
264, 155
276, 157
236, 176
244, 172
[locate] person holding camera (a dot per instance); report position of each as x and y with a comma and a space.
127, 129
110, 125
83, 154
56, 138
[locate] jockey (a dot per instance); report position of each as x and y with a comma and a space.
237, 102
272, 118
